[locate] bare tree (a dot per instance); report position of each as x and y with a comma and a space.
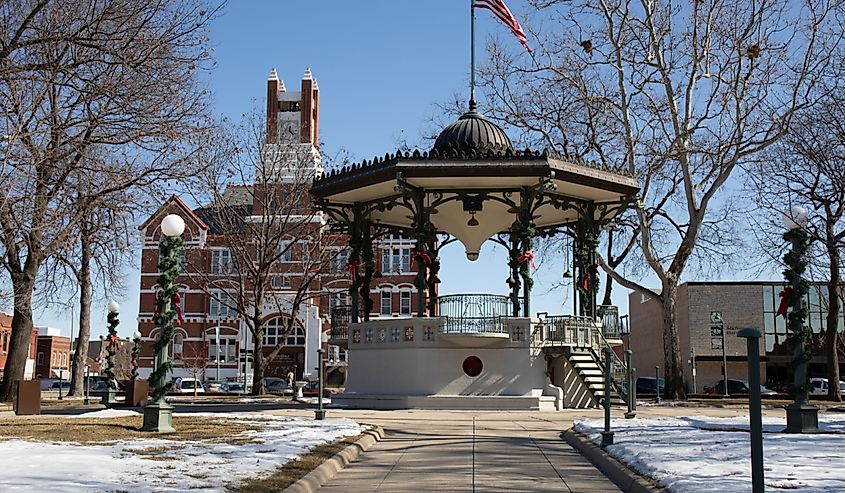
679, 93
276, 253
807, 168
119, 75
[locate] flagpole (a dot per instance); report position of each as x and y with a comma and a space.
471, 56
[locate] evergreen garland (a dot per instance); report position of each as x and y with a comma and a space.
586, 261
112, 345
136, 349
799, 332
165, 313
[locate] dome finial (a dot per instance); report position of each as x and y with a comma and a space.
472, 105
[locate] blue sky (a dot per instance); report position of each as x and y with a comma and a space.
381, 67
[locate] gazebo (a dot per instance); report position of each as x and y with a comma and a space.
481, 350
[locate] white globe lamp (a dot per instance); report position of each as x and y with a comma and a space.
796, 218
172, 225
113, 307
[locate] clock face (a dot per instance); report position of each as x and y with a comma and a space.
716, 317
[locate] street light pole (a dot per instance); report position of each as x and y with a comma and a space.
607, 435
320, 413
801, 417
158, 414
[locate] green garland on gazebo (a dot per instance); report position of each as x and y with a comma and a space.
166, 311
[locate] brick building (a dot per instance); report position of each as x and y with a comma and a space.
291, 115
53, 354
5, 336
741, 304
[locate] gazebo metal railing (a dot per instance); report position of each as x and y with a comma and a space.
474, 313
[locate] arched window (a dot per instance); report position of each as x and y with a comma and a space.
176, 347
274, 334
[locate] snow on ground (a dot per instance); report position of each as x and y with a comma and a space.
703, 454
165, 465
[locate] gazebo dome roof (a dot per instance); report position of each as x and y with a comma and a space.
472, 134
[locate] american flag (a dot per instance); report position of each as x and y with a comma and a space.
501, 11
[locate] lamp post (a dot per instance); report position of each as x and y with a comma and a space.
320, 413
607, 435
632, 387
752, 337
158, 414
801, 417
657, 382
136, 350
112, 345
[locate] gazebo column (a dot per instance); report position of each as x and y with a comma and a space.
525, 236
586, 241
369, 267
513, 265
433, 271
356, 241
423, 229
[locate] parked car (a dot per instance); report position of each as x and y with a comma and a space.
232, 388
649, 385
277, 387
271, 381
734, 387
820, 386
213, 386
54, 386
189, 385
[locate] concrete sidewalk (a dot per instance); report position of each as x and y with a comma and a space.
469, 451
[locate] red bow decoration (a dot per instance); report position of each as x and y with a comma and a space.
176, 301
134, 361
352, 268
422, 255
529, 256
585, 283
784, 301
114, 342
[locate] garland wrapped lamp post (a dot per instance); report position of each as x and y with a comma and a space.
112, 347
801, 417
158, 414
136, 349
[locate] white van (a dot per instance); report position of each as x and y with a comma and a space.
189, 385
820, 386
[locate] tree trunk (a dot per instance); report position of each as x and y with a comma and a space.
77, 378
832, 343
21, 335
258, 361
673, 370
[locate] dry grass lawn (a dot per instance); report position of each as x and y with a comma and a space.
289, 473
99, 430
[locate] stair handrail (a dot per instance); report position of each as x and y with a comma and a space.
618, 369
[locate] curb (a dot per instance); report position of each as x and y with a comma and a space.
626, 479
327, 470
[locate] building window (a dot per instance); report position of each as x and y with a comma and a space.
227, 349
177, 346
339, 299
386, 309
405, 302
279, 281
339, 262
296, 337
55, 360
223, 304
221, 261
396, 260
286, 252
40, 359
774, 325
